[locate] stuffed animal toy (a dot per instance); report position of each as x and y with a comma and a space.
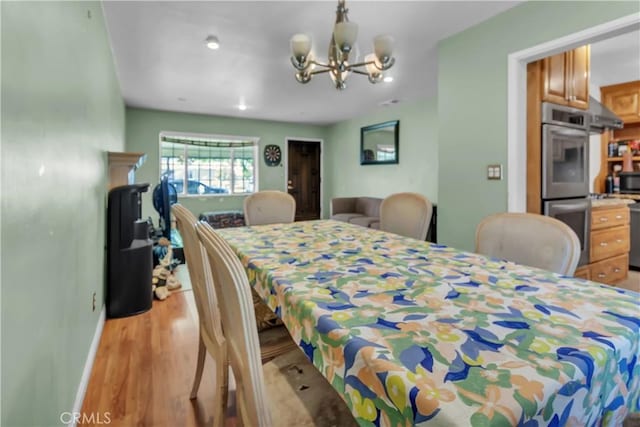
163, 280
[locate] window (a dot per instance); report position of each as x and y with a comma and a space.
385, 152
209, 164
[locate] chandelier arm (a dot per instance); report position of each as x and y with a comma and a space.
326, 70
364, 73
320, 64
360, 64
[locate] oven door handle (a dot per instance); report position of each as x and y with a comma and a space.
561, 130
573, 207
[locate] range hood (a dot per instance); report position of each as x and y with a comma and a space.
602, 118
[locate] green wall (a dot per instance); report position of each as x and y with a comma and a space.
417, 170
143, 130
61, 111
472, 104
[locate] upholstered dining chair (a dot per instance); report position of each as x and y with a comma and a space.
273, 341
406, 214
529, 239
288, 390
269, 207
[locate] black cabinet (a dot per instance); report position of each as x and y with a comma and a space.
432, 233
129, 253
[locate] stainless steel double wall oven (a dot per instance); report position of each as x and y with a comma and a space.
565, 170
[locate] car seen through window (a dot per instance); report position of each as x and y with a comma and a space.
196, 187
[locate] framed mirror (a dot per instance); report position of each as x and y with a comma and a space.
379, 143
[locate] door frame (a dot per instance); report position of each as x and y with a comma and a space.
285, 159
517, 97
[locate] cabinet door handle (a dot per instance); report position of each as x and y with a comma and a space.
603, 244
617, 270
618, 240
604, 219
601, 275
618, 216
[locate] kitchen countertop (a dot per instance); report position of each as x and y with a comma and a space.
612, 202
626, 196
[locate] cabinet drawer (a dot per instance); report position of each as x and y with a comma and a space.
609, 242
602, 218
611, 270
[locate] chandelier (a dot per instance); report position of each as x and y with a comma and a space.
342, 42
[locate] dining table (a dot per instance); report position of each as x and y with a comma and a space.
414, 333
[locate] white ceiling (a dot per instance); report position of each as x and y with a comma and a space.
162, 61
615, 60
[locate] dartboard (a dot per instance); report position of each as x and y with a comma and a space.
272, 155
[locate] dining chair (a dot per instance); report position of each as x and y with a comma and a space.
529, 239
269, 207
273, 342
406, 214
286, 391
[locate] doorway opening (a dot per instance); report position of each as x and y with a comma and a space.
517, 98
303, 176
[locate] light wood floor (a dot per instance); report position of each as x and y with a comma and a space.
144, 369
632, 282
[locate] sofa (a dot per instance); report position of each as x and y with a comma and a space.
363, 211
223, 219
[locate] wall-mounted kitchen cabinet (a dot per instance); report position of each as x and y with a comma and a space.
624, 100
565, 78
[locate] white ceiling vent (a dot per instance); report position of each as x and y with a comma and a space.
389, 102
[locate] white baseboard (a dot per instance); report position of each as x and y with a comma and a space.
88, 366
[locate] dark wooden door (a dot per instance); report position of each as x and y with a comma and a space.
304, 178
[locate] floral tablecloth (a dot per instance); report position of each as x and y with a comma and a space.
410, 332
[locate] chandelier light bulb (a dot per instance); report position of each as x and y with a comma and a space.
383, 47
300, 45
213, 43
345, 35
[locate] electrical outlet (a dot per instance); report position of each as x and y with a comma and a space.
494, 172
93, 303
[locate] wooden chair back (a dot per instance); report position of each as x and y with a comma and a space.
269, 207
239, 322
529, 239
201, 279
406, 214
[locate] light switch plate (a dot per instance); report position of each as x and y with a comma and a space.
494, 172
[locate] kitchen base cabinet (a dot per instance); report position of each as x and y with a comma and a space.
611, 270
610, 242
583, 272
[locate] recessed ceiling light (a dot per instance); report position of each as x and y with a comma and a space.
388, 79
213, 42
242, 107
